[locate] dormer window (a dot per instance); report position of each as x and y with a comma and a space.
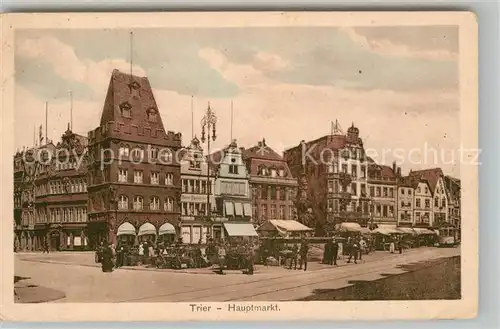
152, 113
125, 109
134, 88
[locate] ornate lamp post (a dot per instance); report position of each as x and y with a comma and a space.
208, 126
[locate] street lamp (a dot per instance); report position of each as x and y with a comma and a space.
208, 123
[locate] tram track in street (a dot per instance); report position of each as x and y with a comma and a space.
290, 280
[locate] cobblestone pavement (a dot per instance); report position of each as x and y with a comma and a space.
82, 280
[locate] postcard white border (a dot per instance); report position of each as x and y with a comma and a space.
344, 310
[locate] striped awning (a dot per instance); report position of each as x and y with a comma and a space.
126, 229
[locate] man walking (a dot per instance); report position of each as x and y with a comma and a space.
304, 249
294, 255
334, 252
353, 250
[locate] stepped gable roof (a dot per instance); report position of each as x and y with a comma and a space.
135, 93
430, 175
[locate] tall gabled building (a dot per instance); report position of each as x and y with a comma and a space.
335, 169
273, 188
435, 178
134, 173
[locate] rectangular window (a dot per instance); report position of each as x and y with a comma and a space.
409, 192
273, 211
155, 178
385, 192
427, 203
354, 189
122, 175
363, 189
263, 211
330, 186
363, 171
138, 177
233, 169
378, 191
417, 203
283, 192
403, 191
354, 171
282, 212
273, 192
391, 192
344, 168
264, 192
372, 191
123, 151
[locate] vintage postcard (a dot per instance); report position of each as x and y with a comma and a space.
239, 166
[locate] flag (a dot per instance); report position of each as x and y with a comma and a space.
40, 135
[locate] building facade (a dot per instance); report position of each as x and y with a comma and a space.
134, 171
272, 186
335, 167
232, 189
194, 168
405, 202
423, 204
435, 178
54, 202
382, 184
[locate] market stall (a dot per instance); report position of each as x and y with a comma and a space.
284, 228
238, 234
166, 234
425, 237
147, 232
126, 234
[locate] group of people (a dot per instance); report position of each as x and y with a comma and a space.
220, 253
299, 254
355, 247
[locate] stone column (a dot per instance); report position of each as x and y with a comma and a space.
71, 240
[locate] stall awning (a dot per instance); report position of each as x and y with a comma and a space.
350, 227
238, 209
146, 229
229, 208
247, 209
423, 231
289, 225
126, 229
387, 229
166, 228
240, 229
407, 230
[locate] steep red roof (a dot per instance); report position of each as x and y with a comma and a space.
430, 175
134, 92
387, 172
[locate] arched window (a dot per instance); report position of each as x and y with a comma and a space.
153, 153
122, 202
138, 203
169, 179
169, 204
154, 203
165, 155
138, 154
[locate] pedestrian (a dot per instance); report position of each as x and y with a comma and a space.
250, 258
400, 245
362, 247
327, 253
334, 252
141, 252
293, 256
107, 259
392, 246
222, 257
304, 249
119, 256
352, 247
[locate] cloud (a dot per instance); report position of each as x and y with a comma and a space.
67, 65
383, 45
269, 101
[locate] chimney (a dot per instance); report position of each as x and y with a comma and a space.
394, 167
399, 172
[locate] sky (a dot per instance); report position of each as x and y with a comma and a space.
398, 85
